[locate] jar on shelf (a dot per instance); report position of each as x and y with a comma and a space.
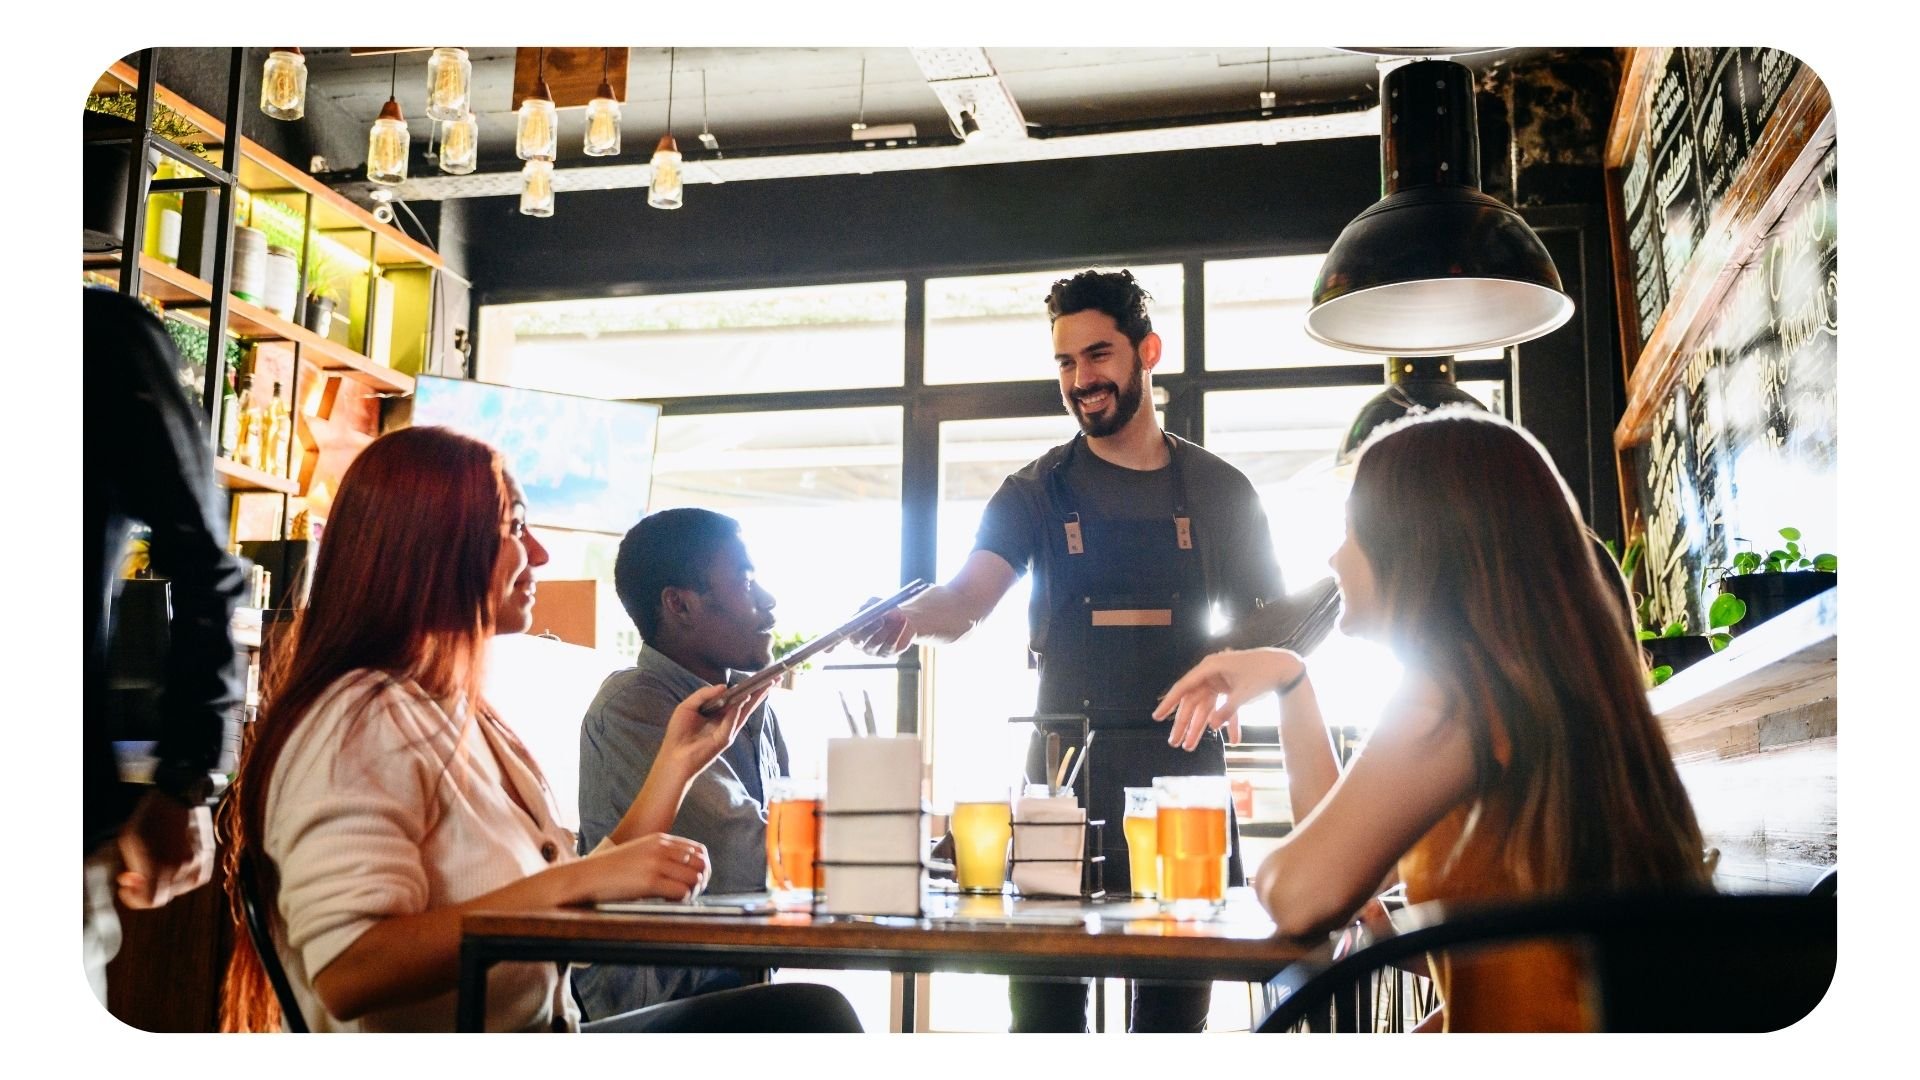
281, 285
249, 275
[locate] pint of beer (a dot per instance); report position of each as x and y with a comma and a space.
793, 840
1192, 843
980, 834
1142, 827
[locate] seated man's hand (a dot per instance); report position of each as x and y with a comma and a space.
694, 739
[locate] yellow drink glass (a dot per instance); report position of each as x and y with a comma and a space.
981, 831
1142, 828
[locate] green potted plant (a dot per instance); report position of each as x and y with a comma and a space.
1666, 647
784, 644
1767, 584
323, 294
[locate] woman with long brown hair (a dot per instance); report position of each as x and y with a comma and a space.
380, 796
1519, 757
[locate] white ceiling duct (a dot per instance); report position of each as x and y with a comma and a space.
967, 86
979, 151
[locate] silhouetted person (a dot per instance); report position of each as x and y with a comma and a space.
147, 460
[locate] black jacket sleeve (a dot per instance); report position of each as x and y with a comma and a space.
150, 448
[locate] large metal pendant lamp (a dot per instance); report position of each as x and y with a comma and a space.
1414, 384
1436, 266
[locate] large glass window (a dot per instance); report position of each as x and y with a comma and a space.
994, 328
817, 495
815, 337
1256, 316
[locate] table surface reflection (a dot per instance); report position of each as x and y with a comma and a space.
1002, 935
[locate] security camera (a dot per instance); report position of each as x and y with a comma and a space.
382, 205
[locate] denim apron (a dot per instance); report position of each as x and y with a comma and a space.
1128, 616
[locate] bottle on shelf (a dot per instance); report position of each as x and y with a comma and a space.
162, 240
275, 441
247, 449
229, 416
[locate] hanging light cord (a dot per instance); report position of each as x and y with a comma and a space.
606, 58
1266, 84
862, 119
393, 79
703, 101
670, 56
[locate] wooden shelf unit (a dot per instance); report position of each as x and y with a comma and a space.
262, 172
172, 287
238, 477
1790, 660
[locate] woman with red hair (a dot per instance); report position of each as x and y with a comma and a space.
379, 796
1519, 757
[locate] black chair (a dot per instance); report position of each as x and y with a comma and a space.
269, 959
1705, 962
1828, 885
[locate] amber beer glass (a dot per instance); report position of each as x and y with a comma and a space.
980, 834
793, 840
1142, 827
1192, 843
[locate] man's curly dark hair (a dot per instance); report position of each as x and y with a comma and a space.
1112, 292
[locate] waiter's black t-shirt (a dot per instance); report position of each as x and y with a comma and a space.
1221, 501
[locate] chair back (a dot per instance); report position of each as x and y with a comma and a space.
1702, 962
262, 940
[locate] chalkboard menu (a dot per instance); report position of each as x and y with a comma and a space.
1746, 441
1703, 115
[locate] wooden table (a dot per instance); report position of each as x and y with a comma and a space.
991, 935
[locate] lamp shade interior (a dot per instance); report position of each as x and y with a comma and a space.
1437, 316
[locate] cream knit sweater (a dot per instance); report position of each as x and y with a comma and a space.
387, 802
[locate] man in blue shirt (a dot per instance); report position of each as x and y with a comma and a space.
684, 577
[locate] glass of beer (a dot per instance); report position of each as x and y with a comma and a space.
793, 840
981, 831
1143, 840
1192, 844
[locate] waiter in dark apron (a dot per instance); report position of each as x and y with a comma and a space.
1140, 543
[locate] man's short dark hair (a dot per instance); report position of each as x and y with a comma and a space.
671, 548
1112, 292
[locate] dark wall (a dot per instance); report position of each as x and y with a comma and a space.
1257, 199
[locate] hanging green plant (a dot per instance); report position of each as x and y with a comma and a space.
167, 124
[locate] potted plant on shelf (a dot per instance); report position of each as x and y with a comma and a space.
323, 294
1766, 585
1667, 647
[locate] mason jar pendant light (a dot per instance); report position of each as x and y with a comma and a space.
387, 143
1437, 266
283, 85
449, 79
536, 188
537, 134
460, 144
603, 116
664, 189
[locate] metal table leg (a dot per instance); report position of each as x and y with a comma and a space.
470, 1012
